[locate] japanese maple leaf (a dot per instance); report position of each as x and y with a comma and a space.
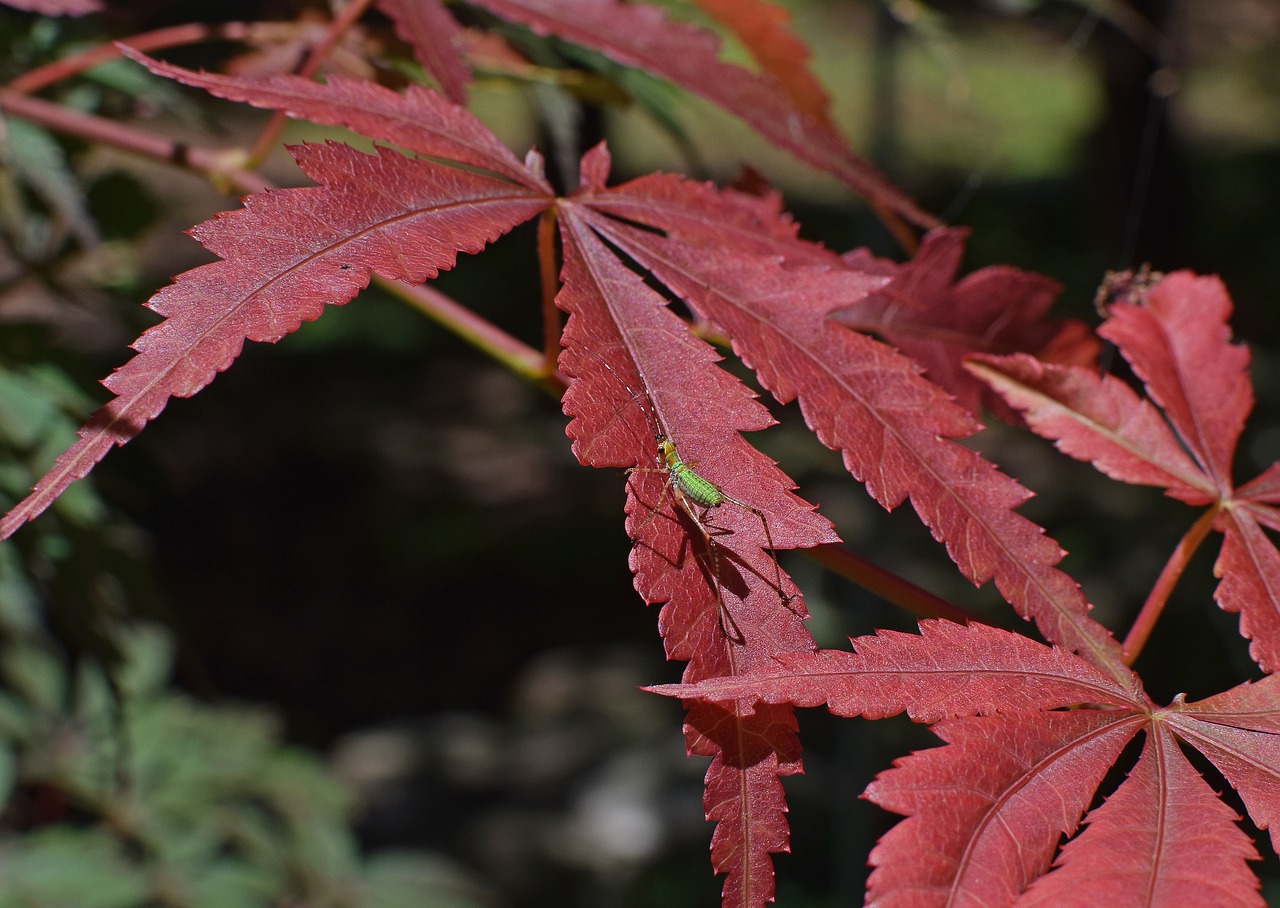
763, 29
288, 253
639, 373
435, 37
773, 293
1182, 437
640, 377
420, 120
641, 35
985, 813
938, 320
738, 263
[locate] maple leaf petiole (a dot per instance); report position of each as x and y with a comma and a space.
888, 586
1154, 606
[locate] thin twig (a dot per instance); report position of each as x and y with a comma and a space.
73, 64
889, 586
549, 275
219, 166
345, 19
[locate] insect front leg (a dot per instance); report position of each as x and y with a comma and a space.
655, 509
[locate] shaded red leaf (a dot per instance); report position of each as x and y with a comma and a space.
948, 670
1163, 840
621, 341
286, 255
420, 120
865, 399
1074, 344
1249, 566
435, 37
1097, 419
700, 213
985, 813
1265, 487
1178, 342
1260, 496
743, 795
1239, 731
762, 27
281, 47
56, 7
637, 34
638, 372
936, 320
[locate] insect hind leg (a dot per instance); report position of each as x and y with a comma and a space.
728, 624
773, 553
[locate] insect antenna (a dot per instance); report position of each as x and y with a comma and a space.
644, 403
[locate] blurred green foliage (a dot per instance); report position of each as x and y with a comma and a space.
116, 790
120, 792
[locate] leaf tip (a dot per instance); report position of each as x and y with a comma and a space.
593, 172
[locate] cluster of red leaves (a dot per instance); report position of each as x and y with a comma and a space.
985, 813
1030, 729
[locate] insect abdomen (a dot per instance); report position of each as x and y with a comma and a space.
701, 491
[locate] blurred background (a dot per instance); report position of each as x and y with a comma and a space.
377, 543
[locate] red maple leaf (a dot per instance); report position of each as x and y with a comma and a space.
1176, 337
289, 253
641, 35
773, 294
420, 120
638, 372
435, 38
938, 320
985, 813
736, 262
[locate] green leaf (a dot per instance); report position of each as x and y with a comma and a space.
405, 880
8, 773
17, 724
36, 675
85, 868
37, 159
